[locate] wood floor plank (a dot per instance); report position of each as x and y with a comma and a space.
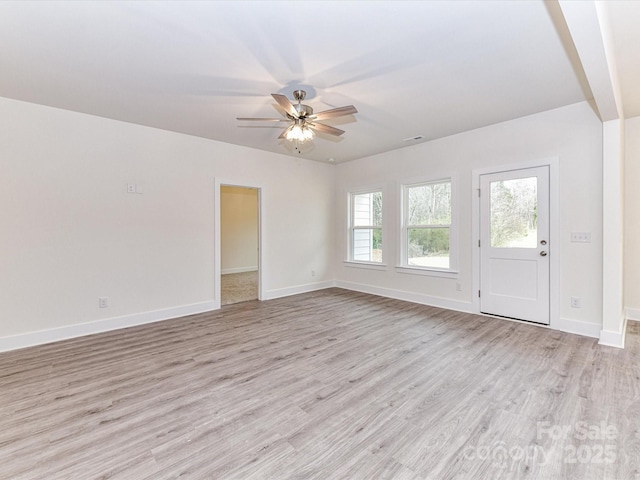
326, 385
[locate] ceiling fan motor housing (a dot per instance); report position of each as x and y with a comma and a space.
303, 110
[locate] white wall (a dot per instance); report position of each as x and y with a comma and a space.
573, 134
69, 232
238, 229
632, 217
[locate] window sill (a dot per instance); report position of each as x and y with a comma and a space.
429, 272
366, 265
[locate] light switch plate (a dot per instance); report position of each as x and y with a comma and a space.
581, 237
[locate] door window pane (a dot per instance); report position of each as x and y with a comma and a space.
514, 213
428, 247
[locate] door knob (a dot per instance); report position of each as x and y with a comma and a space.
543, 253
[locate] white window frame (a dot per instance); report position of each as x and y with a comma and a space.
350, 262
404, 267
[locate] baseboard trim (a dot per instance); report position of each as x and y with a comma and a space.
226, 271
632, 314
308, 287
577, 327
614, 339
408, 296
41, 337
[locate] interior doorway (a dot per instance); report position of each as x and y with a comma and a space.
239, 244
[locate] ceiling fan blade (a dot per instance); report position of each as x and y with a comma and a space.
335, 112
321, 127
286, 104
250, 119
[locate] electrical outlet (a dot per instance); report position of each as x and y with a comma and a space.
103, 302
131, 188
313, 273
575, 302
458, 287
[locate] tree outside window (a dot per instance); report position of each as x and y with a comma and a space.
428, 224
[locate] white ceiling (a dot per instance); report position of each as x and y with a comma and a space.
411, 68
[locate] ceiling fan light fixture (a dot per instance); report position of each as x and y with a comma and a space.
304, 123
299, 133
308, 133
294, 133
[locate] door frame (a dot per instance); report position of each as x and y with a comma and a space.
217, 262
554, 231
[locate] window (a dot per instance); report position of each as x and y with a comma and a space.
366, 227
514, 213
427, 226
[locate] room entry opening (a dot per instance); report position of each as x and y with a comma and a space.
239, 244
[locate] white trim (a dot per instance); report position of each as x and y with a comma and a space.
429, 272
98, 326
358, 189
577, 327
567, 325
633, 314
288, 291
554, 229
217, 250
612, 229
368, 265
403, 186
407, 296
226, 271
614, 339
217, 266
350, 227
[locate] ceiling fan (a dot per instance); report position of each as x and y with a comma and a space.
302, 119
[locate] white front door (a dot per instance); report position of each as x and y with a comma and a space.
514, 244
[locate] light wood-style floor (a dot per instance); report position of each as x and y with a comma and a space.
326, 385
